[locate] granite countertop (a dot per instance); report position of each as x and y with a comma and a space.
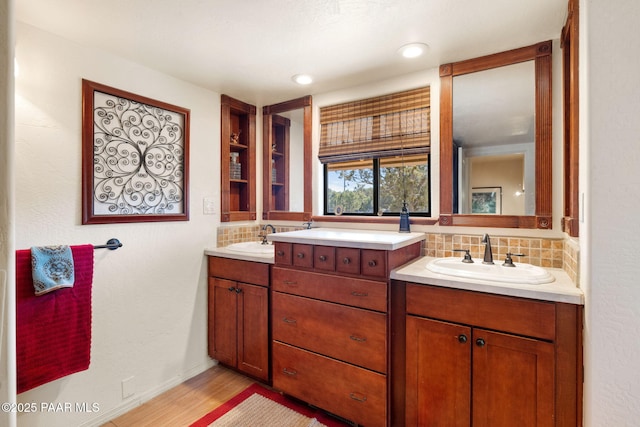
562, 289
364, 239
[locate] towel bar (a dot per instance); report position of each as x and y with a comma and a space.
112, 244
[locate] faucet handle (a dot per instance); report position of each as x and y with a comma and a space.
467, 256
508, 262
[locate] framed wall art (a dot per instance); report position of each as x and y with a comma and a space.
486, 200
135, 157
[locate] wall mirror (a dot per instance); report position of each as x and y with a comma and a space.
495, 140
286, 177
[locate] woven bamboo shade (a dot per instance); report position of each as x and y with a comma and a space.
380, 126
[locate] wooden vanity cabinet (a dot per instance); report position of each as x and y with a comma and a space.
329, 320
238, 315
488, 360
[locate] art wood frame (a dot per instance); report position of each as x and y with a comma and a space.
135, 157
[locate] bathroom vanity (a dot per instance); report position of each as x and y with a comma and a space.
486, 354
356, 324
330, 316
238, 311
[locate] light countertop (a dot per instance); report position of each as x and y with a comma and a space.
562, 289
364, 239
244, 256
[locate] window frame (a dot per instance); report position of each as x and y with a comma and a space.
376, 194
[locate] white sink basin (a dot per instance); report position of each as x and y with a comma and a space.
252, 248
522, 273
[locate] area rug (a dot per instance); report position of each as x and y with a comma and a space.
257, 406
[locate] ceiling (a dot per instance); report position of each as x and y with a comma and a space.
249, 49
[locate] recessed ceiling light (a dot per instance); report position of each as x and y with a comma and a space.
413, 50
302, 79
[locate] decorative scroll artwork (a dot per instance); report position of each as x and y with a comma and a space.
135, 158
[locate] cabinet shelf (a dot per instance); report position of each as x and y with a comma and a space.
237, 142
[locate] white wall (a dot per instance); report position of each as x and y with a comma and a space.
7, 257
610, 242
149, 297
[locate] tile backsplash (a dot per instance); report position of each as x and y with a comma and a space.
553, 253
230, 234
542, 252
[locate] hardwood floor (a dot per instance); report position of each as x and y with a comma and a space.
187, 402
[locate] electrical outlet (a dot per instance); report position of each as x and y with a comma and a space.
128, 387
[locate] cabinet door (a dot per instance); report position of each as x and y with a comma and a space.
513, 381
253, 338
438, 381
222, 320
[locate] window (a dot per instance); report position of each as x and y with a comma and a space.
377, 186
376, 155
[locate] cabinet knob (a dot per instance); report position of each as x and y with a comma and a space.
372, 263
322, 258
462, 338
346, 260
300, 255
280, 253
238, 290
231, 288
480, 342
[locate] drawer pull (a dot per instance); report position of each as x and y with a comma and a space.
289, 320
291, 373
359, 294
280, 253
373, 263
357, 396
346, 260
356, 338
300, 255
290, 282
322, 258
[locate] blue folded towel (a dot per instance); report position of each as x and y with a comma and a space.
51, 268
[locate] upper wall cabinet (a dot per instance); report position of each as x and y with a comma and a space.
238, 160
495, 140
286, 136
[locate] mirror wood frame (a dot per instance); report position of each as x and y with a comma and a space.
541, 54
268, 213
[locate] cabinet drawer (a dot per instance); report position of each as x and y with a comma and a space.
507, 314
353, 393
324, 258
240, 271
350, 334
282, 254
302, 255
348, 260
344, 290
373, 263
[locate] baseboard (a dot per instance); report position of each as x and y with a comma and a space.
144, 397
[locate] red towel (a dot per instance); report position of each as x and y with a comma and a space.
53, 330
